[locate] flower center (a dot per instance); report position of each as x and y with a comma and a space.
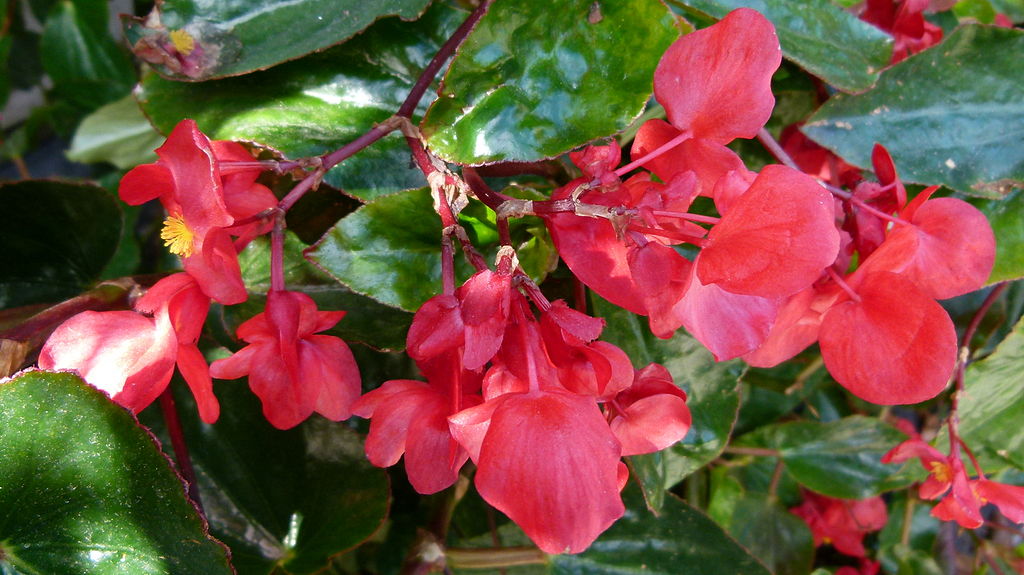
177, 236
942, 472
183, 42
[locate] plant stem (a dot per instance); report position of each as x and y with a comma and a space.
173, 423
495, 558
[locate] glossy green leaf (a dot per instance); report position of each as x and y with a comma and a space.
85, 64
389, 250
712, 395
679, 540
779, 539
949, 115
317, 104
285, 500
57, 239
238, 36
525, 87
118, 133
365, 320
1007, 219
85, 490
993, 398
821, 37
840, 458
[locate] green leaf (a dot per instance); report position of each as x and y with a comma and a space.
679, 540
1006, 217
285, 500
821, 37
238, 36
840, 458
711, 389
525, 87
779, 539
389, 250
366, 320
948, 115
992, 398
57, 239
117, 133
85, 490
319, 103
81, 58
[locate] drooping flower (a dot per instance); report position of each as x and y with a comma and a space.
410, 418
294, 371
841, 522
131, 355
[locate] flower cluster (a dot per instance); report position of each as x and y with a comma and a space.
213, 204
773, 272
543, 408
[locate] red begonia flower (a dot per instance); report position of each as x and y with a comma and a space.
243, 196
906, 22
187, 181
962, 504
548, 460
815, 160
938, 465
841, 522
131, 356
293, 371
651, 414
715, 83
892, 345
796, 326
1008, 498
410, 418
776, 239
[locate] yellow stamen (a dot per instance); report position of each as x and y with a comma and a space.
177, 236
183, 42
942, 472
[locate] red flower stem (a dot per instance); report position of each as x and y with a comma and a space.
491, 199
532, 291
277, 254
449, 48
842, 284
990, 299
579, 293
181, 456
328, 161
682, 137
889, 218
688, 238
775, 149
687, 216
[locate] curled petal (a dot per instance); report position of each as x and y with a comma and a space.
1008, 498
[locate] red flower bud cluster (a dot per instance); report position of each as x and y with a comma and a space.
544, 409
771, 274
